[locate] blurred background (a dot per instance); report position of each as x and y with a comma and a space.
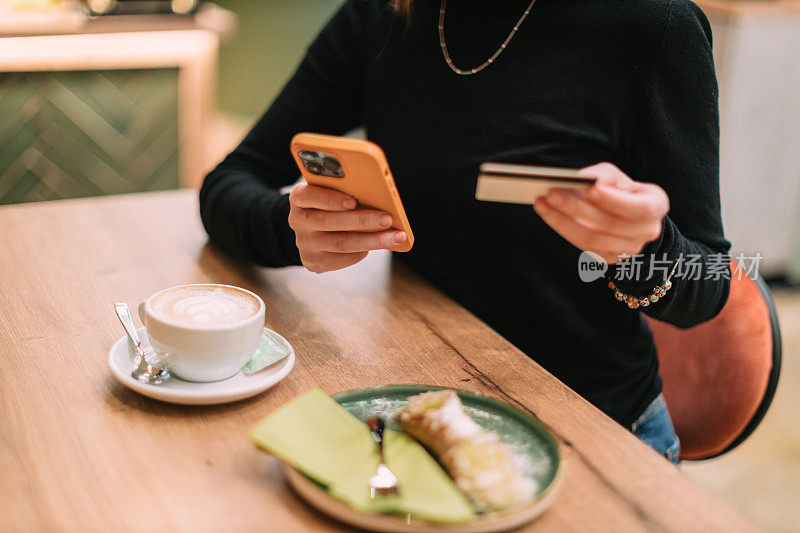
108, 97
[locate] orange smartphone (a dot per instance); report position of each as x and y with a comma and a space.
355, 167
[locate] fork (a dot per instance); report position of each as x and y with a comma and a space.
384, 482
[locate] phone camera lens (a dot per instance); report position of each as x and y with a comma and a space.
315, 168
305, 155
331, 165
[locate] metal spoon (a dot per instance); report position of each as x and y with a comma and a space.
384, 482
144, 371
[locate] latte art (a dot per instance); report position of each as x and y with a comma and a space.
206, 309
204, 305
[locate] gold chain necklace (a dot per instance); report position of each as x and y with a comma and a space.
489, 61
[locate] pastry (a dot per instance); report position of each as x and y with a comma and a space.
481, 465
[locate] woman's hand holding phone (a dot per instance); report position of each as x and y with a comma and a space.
331, 233
616, 216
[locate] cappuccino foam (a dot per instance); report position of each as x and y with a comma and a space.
204, 305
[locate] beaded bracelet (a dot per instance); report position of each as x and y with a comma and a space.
633, 302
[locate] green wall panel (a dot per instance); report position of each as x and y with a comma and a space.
87, 133
270, 41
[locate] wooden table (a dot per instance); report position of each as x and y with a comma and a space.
80, 452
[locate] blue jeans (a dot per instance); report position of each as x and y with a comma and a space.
654, 427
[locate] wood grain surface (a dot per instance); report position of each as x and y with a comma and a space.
79, 452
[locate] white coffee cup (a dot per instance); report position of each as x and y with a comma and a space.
205, 331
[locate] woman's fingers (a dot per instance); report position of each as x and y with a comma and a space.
646, 202
618, 194
356, 220
352, 241
576, 206
320, 262
331, 233
569, 202
584, 237
616, 216
608, 174
308, 196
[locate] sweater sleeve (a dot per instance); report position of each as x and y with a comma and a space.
240, 204
675, 144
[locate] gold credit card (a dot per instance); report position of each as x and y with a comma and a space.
524, 184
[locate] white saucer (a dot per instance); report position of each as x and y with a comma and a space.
176, 390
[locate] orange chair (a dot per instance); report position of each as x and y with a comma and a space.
720, 376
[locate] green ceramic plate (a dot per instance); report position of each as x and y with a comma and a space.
534, 447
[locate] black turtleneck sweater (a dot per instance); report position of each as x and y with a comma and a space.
583, 81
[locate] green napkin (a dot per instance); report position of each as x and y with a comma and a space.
270, 351
320, 438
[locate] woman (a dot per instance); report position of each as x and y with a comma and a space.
624, 87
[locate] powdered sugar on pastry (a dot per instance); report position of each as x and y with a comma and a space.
481, 465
